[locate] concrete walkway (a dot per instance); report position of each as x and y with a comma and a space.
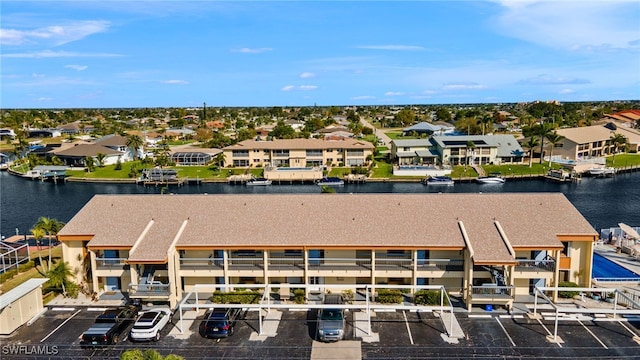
345, 349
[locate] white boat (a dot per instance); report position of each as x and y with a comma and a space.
259, 182
438, 180
330, 181
492, 179
601, 171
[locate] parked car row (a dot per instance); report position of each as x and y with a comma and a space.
113, 325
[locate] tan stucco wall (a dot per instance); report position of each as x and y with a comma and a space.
20, 311
71, 250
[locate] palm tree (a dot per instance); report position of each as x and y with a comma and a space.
89, 162
542, 130
51, 227
134, 142
100, 159
531, 144
617, 140
485, 120
469, 150
58, 276
554, 138
38, 234
220, 159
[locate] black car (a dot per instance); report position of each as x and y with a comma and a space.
219, 323
109, 327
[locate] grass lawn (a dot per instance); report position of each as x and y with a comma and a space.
624, 160
382, 170
56, 254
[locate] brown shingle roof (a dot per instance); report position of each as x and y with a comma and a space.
301, 144
324, 220
87, 150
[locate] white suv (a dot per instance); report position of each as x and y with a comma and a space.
150, 324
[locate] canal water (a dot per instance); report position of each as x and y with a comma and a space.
604, 202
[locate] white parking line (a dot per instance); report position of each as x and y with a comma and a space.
407, 323
505, 332
548, 332
59, 326
592, 334
629, 330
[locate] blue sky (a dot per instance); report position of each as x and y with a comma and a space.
59, 54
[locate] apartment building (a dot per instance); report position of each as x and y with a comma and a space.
456, 150
298, 153
157, 247
593, 141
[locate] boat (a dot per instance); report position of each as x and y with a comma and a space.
438, 180
601, 171
493, 178
330, 181
259, 182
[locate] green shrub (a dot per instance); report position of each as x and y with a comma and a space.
568, 294
8, 275
235, 297
429, 297
389, 296
348, 296
26, 266
299, 296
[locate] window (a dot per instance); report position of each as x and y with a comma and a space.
240, 153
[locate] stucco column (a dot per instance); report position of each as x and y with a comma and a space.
305, 255
414, 281
468, 279
373, 272
265, 265
225, 266
556, 273
173, 265
94, 266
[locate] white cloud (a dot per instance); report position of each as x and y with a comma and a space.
363, 97
544, 79
56, 54
175, 82
35, 75
566, 91
77, 67
392, 47
252, 50
462, 86
393, 93
301, 87
591, 26
54, 35
306, 75
44, 99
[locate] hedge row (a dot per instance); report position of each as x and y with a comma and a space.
429, 297
13, 272
236, 297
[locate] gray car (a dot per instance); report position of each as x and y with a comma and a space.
331, 322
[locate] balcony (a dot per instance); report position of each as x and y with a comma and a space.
535, 266
339, 264
285, 263
110, 263
440, 264
201, 264
246, 263
393, 263
491, 294
154, 289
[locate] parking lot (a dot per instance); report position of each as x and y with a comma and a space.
397, 334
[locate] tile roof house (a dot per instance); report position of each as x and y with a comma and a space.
298, 153
437, 150
593, 141
341, 239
